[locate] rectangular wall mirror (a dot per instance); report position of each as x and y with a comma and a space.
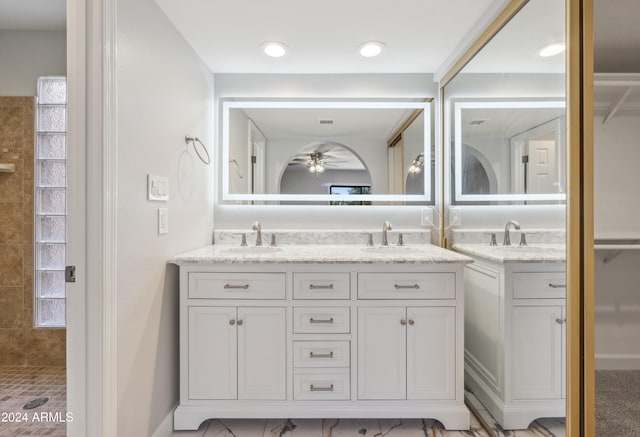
508, 150
327, 152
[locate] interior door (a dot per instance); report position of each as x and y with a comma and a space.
431, 355
542, 167
382, 347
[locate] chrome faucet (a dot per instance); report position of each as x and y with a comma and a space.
507, 238
386, 227
256, 227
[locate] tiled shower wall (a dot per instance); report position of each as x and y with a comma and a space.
20, 343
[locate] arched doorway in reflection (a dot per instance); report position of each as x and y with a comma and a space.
319, 166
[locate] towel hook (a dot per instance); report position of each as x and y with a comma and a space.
194, 140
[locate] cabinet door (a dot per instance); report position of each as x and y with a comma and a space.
537, 352
212, 353
381, 353
261, 353
431, 353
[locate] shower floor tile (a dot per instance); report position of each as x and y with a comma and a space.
19, 385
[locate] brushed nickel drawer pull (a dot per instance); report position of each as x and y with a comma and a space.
315, 355
400, 287
236, 287
314, 388
557, 285
320, 287
312, 320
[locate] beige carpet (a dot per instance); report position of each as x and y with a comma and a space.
617, 403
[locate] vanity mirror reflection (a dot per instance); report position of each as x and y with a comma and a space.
504, 148
327, 152
508, 150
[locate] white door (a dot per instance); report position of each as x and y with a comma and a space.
542, 167
382, 348
536, 342
212, 353
431, 355
261, 353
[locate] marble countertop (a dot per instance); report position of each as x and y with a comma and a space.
321, 253
504, 254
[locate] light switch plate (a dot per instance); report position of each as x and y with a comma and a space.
454, 217
427, 217
157, 188
163, 221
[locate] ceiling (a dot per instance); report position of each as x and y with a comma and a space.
323, 36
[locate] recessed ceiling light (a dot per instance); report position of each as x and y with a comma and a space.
274, 49
555, 48
371, 49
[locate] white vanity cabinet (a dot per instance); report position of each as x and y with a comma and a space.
515, 330
406, 353
237, 352
322, 339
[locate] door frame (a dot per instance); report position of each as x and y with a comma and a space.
92, 175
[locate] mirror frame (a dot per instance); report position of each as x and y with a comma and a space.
580, 364
294, 104
458, 105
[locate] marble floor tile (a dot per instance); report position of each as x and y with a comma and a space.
335, 428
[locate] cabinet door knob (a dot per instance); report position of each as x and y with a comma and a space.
240, 322
403, 322
232, 322
560, 321
411, 322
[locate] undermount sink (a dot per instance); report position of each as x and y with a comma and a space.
248, 250
390, 250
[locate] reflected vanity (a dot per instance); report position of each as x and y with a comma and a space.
504, 136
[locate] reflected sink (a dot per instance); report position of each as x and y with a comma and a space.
390, 250
251, 250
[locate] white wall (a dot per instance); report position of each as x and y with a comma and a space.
317, 86
164, 92
617, 208
26, 55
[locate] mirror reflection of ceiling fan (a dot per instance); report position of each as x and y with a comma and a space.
326, 156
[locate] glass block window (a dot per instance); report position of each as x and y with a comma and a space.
50, 202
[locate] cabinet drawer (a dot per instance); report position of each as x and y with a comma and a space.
406, 286
536, 285
321, 354
321, 386
321, 286
321, 320
237, 286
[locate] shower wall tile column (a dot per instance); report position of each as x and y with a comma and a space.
20, 343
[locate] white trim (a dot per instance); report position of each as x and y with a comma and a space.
109, 218
617, 361
76, 250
